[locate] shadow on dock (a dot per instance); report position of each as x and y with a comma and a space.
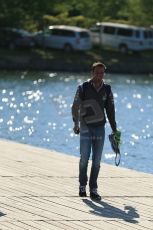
2, 214
101, 208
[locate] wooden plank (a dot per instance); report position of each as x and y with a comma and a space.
40, 191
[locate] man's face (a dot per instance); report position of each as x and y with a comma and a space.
98, 73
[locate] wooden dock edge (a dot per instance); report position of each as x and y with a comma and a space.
39, 191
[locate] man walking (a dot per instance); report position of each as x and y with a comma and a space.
92, 100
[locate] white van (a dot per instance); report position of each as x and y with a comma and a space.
121, 36
65, 37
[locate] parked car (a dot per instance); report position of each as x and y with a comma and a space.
13, 38
64, 37
121, 36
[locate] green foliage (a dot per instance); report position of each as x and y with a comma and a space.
80, 20
37, 14
147, 11
134, 12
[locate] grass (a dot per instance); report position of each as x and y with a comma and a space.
113, 59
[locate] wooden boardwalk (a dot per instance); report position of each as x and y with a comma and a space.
39, 191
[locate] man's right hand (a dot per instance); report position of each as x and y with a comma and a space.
76, 129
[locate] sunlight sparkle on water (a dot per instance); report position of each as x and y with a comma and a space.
27, 120
72, 134
21, 104
79, 81
9, 122
129, 106
135, 136
10, 129
132, 143
138, 96
11, 93
13, 99
128, 81
3, 91
109, 155
115, 95
51, 75
5, 99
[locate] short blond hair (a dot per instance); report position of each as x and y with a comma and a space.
95, 64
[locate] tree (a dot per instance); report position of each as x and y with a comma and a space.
19, 13
34, 14
147, 11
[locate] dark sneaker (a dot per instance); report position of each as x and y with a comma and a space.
94, 195
82, 191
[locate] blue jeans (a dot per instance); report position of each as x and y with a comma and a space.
90, 138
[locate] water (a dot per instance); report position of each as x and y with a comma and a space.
35, 108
